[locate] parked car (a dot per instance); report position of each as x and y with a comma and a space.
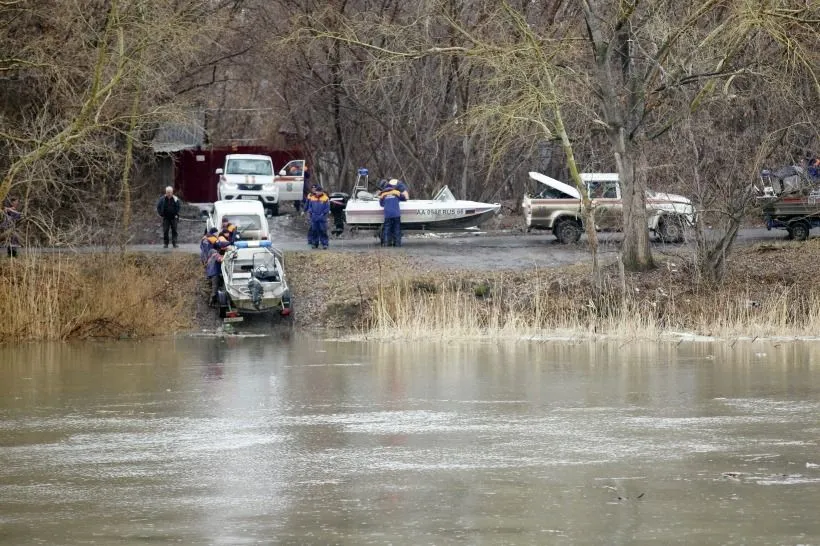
249, 177
557, 207
248, 217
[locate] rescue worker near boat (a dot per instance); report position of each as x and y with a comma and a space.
229, 231
207, 243
318, 207
168, 210
213, 270
390, 198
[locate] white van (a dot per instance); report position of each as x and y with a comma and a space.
247, 216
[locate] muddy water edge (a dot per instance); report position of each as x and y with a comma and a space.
288, 439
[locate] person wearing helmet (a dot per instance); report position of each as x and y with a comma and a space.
207, 243
390, 198
317, 208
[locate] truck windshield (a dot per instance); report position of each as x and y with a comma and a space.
249, 166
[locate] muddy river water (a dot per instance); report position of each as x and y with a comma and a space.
292, 440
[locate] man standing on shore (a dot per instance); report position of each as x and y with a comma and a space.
389, 199
11, 215
168, 210
318, 207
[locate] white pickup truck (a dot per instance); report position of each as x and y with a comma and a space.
249, 176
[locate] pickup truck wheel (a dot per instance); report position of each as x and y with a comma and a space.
568, 231
799, 231
272, 210
670, 229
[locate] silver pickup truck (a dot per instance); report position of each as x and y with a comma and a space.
557, 207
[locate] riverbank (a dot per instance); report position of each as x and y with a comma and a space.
770, 290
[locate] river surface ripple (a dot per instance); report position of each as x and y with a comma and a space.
292, 440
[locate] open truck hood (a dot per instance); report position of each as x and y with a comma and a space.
553, 183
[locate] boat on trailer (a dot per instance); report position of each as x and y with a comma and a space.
441, 213
254, 281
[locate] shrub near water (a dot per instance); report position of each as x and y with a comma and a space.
61, 296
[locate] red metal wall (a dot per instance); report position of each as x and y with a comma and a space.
195, 180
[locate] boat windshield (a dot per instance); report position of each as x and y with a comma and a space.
444, 194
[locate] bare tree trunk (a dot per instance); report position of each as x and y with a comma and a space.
636, 253
621, 92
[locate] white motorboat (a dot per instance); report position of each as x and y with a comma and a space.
441, 213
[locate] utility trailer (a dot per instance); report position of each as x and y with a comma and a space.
790, 199
797, 214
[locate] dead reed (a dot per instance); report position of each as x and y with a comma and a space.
501, 307
60, 296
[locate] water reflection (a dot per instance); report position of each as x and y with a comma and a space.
294, 440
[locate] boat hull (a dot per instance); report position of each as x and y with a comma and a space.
422, 216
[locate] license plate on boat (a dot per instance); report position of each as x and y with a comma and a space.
233, 319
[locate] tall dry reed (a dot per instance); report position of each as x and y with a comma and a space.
498, 310
61, 296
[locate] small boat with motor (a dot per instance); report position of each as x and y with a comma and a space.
253, 270
441, 213
254, 279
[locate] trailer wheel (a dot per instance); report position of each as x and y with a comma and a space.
799, 231
567, 231
670, 229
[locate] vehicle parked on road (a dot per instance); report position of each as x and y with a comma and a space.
249, 177
790, 199
557, 206
248, 217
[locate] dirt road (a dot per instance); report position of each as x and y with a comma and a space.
490, 250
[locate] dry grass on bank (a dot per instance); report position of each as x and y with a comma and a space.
61, 296
769, 291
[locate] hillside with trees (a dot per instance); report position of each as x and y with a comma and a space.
694, 97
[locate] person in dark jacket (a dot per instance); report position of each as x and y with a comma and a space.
306, 187
213, 270
318, 207
168, 210
389, 199
207, 243
11, 215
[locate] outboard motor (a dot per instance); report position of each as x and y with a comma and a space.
256, 292
338, 202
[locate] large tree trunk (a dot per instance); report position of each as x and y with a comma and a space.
636, 254
621, 92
